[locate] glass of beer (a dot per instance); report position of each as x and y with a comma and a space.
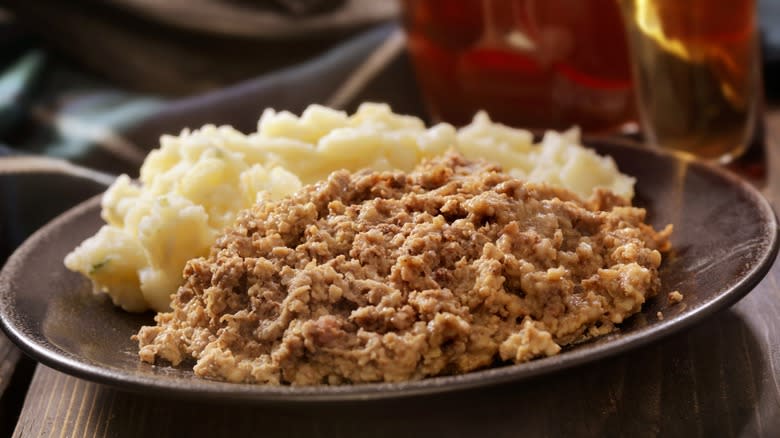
697, 74
529, 63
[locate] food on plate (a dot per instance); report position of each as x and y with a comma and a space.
389, 276
193, 186
675, 297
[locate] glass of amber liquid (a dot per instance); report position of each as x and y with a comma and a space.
529, 63
697, 72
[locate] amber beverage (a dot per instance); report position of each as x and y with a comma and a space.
698, 73
530, 63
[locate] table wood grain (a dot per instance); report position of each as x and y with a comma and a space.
719, 378
9, 357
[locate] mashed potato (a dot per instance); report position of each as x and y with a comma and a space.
194, 184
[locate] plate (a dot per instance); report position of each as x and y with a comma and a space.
725, 240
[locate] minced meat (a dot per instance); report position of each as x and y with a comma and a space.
387, 276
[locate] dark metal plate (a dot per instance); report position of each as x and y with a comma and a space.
725, 240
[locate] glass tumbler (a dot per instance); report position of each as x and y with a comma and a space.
697, 72
543, 64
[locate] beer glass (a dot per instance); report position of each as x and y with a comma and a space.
697, 73
529, 63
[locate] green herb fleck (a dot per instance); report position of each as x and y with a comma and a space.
97, 266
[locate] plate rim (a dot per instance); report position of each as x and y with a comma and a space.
204, 389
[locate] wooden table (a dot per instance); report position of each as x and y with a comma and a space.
720, 378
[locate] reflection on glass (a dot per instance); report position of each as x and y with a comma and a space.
697, 72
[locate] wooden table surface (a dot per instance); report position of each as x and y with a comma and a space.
720, 378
